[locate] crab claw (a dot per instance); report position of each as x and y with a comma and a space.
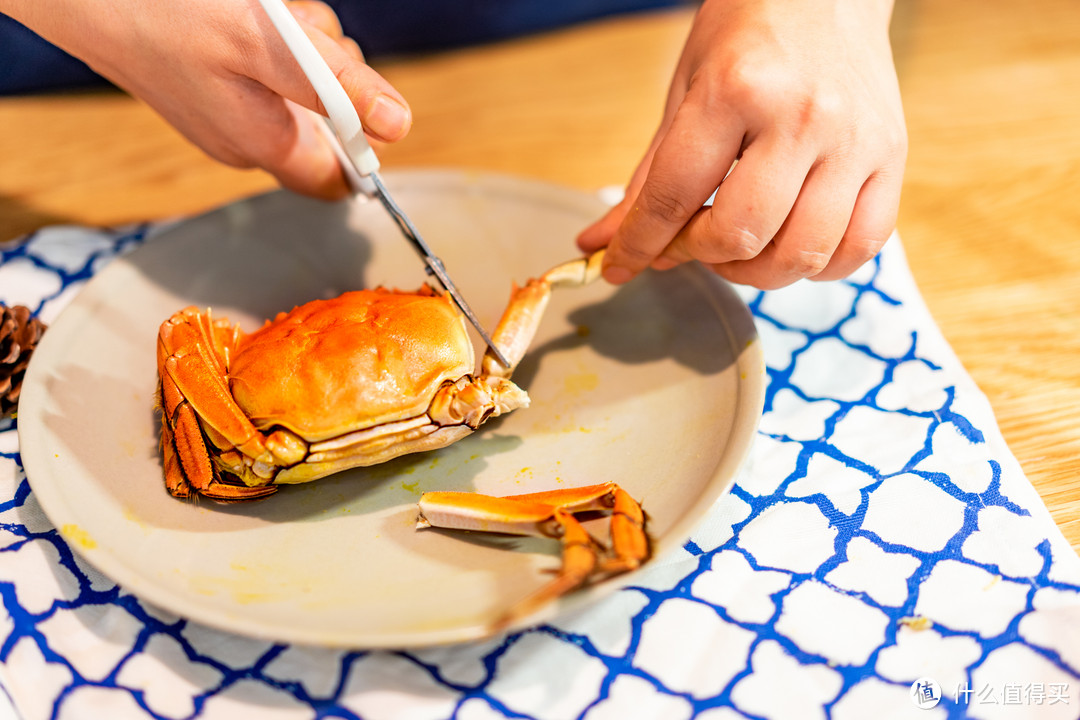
550, 514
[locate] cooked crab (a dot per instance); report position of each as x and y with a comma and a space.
334, 384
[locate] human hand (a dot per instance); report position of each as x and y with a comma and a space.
805, 96
218, 71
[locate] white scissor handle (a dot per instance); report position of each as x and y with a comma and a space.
339, 107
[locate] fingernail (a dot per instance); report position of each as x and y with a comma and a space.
388, 118
617, 275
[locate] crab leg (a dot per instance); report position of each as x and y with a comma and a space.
186, 462
190, 350
629, 542
535, 514
549, 514
517, 326
210, 396
529, 514
173, 468
579, 559
192, 460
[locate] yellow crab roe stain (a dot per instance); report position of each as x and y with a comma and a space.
579, 383
132, 517
918, 623
410, 487
77, 535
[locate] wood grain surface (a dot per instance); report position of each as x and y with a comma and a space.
990, 217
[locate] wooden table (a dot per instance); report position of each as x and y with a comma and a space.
990, 215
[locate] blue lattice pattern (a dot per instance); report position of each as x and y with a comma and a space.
881, 553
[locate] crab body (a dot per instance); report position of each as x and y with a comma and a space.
333, 384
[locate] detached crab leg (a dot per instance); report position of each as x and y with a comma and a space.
550, 514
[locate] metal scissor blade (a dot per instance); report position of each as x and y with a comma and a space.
355, 149
433, 264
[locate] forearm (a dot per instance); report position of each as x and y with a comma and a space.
61, 22
120, 39
218, 71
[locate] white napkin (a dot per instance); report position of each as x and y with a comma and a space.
882, 555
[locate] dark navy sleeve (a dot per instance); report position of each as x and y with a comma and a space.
382, 27
28, 63
385, 27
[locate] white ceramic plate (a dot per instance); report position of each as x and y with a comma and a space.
657, 385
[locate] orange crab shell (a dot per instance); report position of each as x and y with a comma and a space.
334, 384
375, 356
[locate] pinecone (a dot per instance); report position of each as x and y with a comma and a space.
19, 335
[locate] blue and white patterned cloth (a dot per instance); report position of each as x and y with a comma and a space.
881, 556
